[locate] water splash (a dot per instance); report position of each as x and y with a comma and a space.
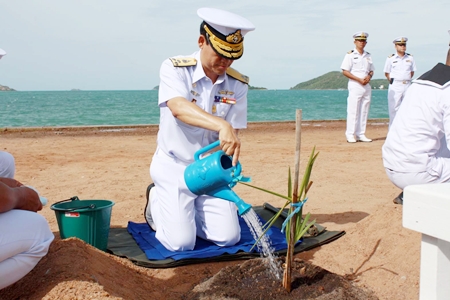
264, 245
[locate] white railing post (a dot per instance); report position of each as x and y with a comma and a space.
426, 209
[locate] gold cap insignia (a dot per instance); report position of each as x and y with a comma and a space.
230, 46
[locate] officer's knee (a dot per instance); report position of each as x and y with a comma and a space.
7, 165
178, 240
229, 238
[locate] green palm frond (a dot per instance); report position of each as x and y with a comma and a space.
302, 225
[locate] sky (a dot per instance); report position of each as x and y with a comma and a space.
57, 45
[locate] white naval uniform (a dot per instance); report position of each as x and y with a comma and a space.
24, 239
359, 96
416, 147
7, 165
399, 68
178, 214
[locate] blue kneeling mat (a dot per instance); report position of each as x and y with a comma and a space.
137, 242
154, 250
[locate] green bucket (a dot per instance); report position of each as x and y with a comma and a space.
88, 220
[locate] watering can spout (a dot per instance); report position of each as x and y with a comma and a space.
229, 195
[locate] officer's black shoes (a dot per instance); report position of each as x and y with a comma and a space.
147, 211
399, 199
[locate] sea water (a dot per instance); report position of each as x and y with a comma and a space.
86, 108
264, 244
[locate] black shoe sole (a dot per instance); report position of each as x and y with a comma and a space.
147, 195
399, 199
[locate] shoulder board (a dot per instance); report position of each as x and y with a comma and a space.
183, 61
351, 51
391, 55
409, 54
238, 76
367, 52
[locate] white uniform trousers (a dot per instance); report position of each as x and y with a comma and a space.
7, 165
180, 215
24, 239
438, 171
358, 104
395, 97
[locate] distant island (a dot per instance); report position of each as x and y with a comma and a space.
6, 88
335, 80
256, 88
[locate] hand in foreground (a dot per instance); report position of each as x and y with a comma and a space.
31, 202
20, 197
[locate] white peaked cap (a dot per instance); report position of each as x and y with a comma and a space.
225, 22
360, 35
400, 39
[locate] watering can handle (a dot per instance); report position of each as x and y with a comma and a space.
206, 149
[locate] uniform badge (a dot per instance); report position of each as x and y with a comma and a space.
227, 100
230, 93
194, 85
195, 93
214, 109
408, 60
222, 92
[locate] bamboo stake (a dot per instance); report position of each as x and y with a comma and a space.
290, 251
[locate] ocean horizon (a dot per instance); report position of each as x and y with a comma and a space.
115, 108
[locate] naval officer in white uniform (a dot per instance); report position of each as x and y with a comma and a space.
399, 70
358, 67
201, 100
25, 236
416, 150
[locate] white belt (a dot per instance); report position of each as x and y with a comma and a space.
402, 81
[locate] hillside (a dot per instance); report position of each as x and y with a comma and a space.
333, 81
5, 88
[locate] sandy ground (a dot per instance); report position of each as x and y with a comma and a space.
350, 192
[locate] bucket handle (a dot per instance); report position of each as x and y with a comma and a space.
74, 198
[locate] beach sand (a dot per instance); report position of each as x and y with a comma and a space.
350, 192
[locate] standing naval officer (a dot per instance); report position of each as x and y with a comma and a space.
399, 70
201, 100
416, 150
358, 67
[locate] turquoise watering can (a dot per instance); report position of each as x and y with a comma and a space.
214, 175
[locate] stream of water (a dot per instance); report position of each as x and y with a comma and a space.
264, 245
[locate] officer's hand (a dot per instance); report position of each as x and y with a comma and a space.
230, 143
29, 199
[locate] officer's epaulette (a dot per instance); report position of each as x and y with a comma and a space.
409, 54
351, 51
367, 52
238, 76
391, 55
183, 61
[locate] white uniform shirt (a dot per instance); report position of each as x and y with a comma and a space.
358, 64
418, 130
180, 140
400, 68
